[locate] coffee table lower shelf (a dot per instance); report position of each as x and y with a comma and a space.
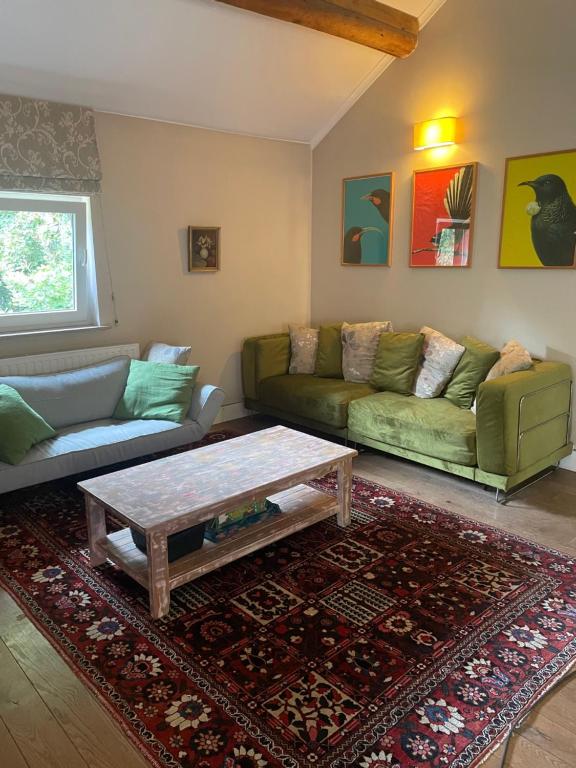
301, 507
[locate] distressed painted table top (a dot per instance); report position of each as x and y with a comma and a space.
156, 493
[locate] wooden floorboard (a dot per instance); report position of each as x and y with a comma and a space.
49, 719
80, 716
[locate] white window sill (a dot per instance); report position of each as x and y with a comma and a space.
43, 331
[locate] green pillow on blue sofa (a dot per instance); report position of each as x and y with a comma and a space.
20, 426
157, 391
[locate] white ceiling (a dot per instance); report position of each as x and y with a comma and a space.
188, 61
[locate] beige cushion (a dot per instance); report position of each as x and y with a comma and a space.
513, 357
359, 346
165, 353
303, 348
440, 357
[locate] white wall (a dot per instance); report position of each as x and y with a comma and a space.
159, 178
507, 67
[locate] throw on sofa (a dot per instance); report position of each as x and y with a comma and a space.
521, 426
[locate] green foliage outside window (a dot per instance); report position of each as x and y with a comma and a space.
36, 261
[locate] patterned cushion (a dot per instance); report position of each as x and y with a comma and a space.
441, 356
359, 345
304, 345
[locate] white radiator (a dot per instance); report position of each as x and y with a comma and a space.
54, 362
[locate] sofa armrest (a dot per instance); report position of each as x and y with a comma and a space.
206, 402
524, 417
262, 357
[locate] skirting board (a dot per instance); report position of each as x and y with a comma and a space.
231, 412
569, 462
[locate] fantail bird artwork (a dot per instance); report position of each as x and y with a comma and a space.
553, 221
449, 242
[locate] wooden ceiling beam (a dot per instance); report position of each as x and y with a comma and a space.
366, 22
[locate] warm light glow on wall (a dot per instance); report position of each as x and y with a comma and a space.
435, 133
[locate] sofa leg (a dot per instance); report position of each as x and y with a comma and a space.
503, 496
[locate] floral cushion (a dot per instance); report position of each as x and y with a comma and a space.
359, 346
440, 358
303, 345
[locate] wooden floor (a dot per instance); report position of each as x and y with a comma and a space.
48, 719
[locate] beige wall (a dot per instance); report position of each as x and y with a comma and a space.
158, 178
508, 68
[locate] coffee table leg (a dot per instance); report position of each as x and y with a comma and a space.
158, 584
96, 522
344, 492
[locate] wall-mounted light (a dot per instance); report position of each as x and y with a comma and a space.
436, 133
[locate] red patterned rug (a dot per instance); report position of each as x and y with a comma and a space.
413, 638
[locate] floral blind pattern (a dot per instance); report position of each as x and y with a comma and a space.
47, 147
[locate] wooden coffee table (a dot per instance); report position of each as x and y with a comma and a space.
169, 495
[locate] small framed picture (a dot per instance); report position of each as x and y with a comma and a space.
443, 201
367, 206
203, 249
539, 212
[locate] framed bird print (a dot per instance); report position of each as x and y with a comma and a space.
203, 249
539, 212
443, 202
367, 205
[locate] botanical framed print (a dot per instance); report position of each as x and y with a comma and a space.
203, 249
539, 212
443, 203
367, 205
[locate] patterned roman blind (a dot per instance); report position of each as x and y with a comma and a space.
47, 147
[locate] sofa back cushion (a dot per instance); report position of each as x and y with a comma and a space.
329, 354
20, 426
157, 391
396, 362
441, 355
471, 371
73, 397
359, 344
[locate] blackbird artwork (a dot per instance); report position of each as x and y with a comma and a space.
380, 199
553, 224
353, 243
367, 220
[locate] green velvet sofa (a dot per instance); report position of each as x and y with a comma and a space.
521, 426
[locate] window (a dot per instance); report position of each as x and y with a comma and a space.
47, 278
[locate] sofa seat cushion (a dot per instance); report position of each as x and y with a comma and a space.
95, 434
434, 427
318, 399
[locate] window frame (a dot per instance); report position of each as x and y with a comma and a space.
85, 312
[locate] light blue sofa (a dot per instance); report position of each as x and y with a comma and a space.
79, 404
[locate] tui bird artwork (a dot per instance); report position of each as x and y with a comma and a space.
443, 200
353, 244
553, 224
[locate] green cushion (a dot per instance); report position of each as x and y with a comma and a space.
470, 371
329, 354
322, 400
20, 426
157, 391
434, 426
396, 362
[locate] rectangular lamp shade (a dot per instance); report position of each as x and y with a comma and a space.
435, 133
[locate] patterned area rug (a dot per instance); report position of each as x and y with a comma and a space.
413, 638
